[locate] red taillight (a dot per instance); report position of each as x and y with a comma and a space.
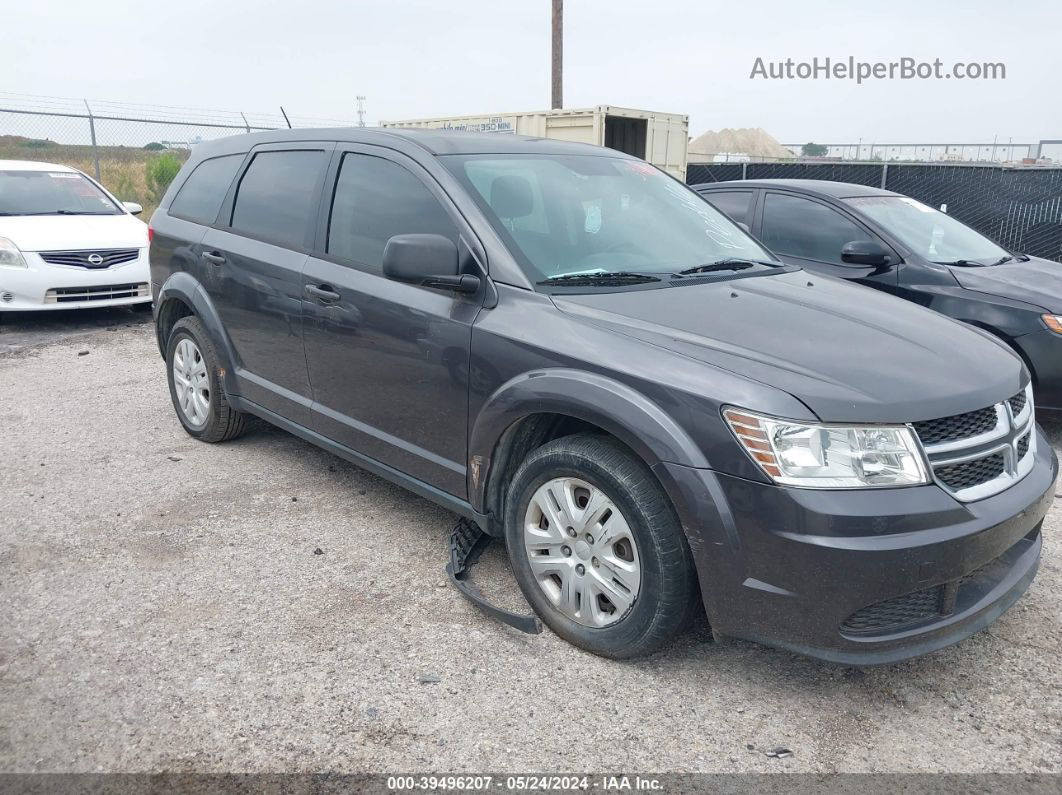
151, 234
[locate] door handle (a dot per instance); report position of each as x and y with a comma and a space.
323, 293
214, 258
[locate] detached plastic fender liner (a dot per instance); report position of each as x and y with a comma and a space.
615, 407
184, 287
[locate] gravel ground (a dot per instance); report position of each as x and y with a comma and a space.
263, 606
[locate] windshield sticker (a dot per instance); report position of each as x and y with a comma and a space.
638, 167
592, 224
63, 175
916, 204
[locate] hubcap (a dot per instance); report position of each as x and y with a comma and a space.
595, 580
191, 382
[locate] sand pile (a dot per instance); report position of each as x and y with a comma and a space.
748, 141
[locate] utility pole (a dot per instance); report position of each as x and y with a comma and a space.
558, 54
361, 110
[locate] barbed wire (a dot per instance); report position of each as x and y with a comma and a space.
101, 108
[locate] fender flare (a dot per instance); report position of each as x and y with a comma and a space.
615, 407
187, 289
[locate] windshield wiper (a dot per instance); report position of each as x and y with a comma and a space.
603, 279
64, 212
729, 264
1003, 260
963, 263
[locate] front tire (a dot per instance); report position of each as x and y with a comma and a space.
192, 366
597, 549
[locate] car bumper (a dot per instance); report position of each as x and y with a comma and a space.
43, 286
862, 577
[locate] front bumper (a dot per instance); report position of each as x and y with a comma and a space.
862, 577
43, 286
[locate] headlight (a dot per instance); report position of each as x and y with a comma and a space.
10, 256
820, 456
1054, 322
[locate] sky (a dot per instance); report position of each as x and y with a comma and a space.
415, 58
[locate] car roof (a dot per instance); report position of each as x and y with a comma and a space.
435, 141
32, 165
818, 187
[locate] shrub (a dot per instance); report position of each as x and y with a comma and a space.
154, 146
814, 150
160, 173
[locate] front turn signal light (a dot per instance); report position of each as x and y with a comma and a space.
1053, 322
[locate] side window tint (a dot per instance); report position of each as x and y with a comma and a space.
376, 199
277, 194
803, 228
201, 195
734, 204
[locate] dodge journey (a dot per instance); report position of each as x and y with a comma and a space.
579, 354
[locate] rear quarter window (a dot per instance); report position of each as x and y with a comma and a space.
200, 197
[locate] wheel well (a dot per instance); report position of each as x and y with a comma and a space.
516, 444
169, 313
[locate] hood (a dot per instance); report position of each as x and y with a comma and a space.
1037, 282
72, 232
850, 353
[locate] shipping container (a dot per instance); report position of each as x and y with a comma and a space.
660, 138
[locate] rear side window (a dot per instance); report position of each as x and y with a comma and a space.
376, 199
734, 203
201, 195
277, 194
803, 228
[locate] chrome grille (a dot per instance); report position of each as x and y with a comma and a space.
96, 259
971, 473
103, 292
1017, 403
980, 453
961, 426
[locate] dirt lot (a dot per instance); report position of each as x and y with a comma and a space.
163, 606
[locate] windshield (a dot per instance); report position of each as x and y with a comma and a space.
929, 233
582, 214
52, 193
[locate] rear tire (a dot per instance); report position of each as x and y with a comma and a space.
192, 366
597, 549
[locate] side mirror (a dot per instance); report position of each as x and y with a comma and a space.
865, 252
133, 208
427, 260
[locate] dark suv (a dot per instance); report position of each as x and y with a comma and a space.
575, 351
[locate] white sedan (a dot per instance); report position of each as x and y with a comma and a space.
66, 243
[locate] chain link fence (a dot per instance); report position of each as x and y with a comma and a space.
120, 143
1021, 208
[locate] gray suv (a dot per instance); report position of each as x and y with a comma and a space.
581, 356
